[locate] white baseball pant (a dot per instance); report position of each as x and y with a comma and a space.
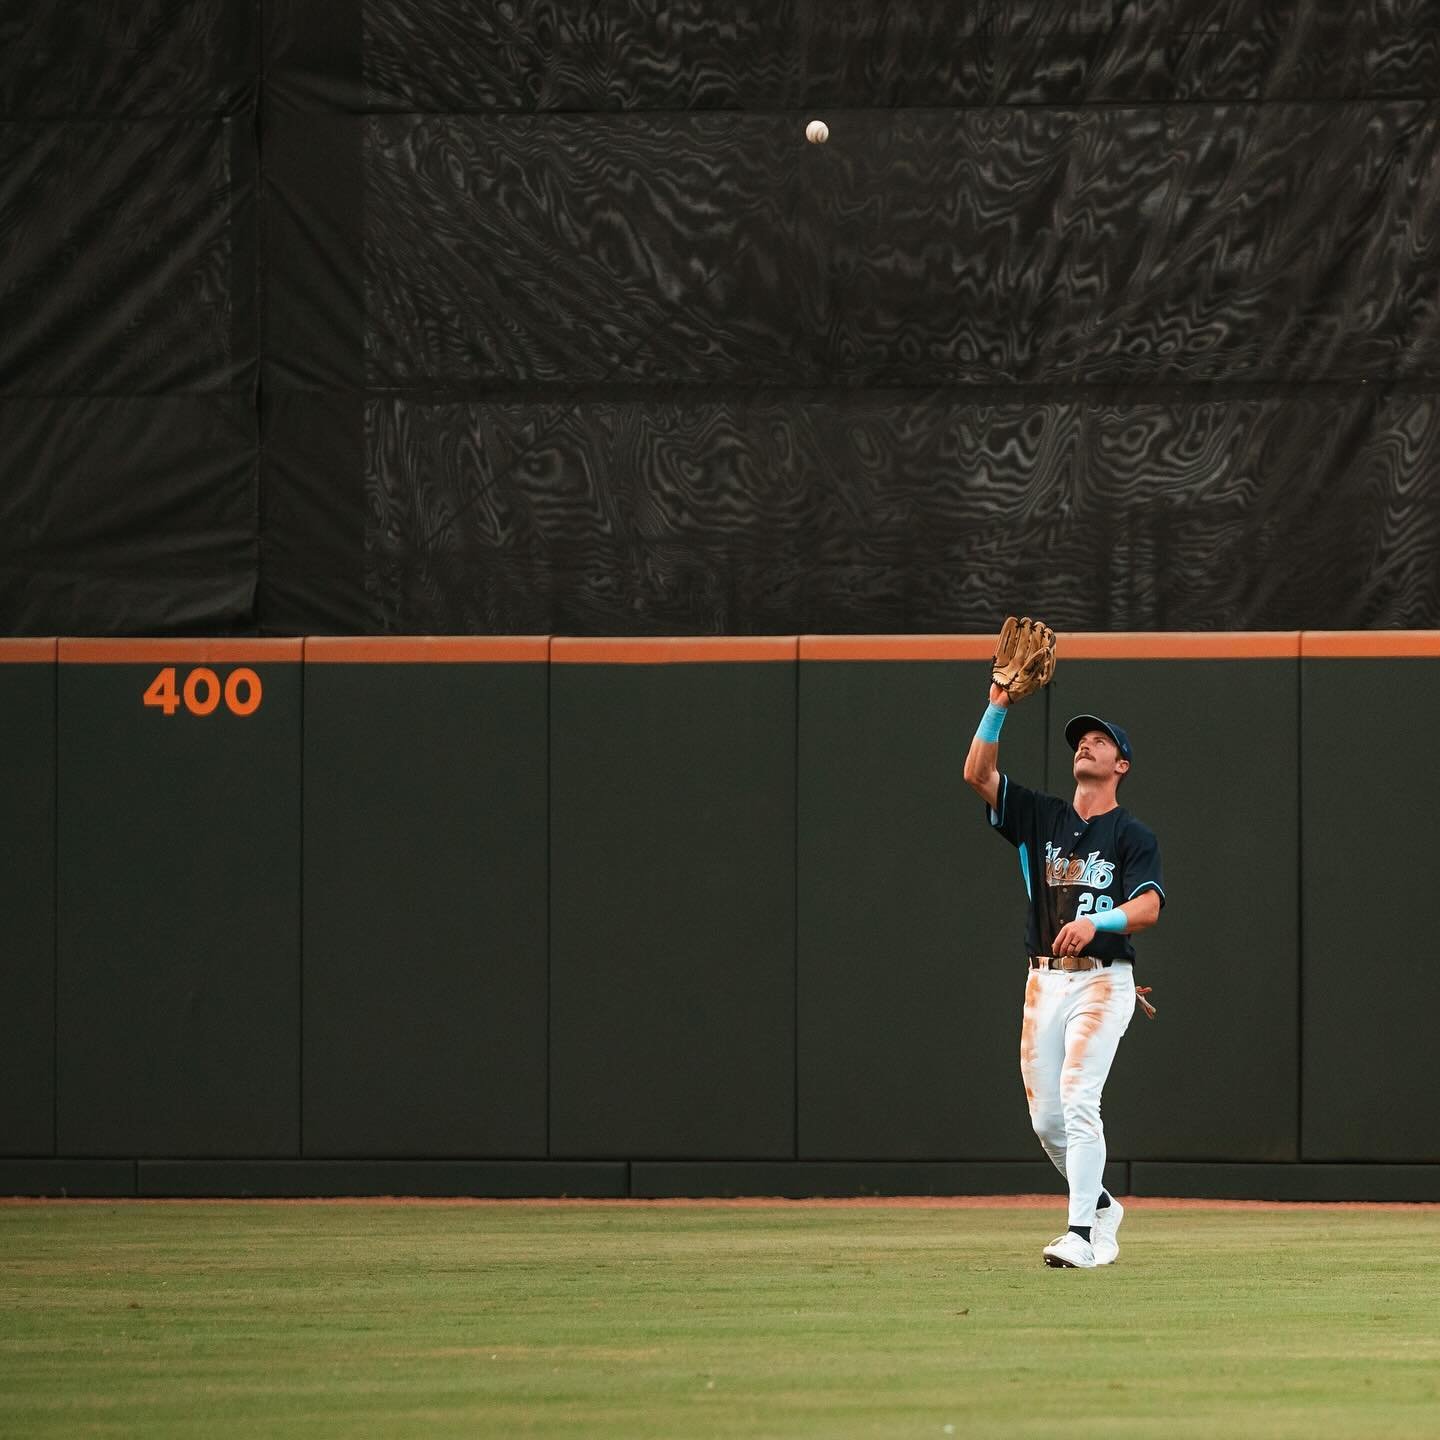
1073, 1023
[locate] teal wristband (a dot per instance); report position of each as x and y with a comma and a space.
990, 723
1114, 920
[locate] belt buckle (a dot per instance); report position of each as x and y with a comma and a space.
1068, 964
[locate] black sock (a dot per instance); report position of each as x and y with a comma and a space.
1103, 1203
1083, 1231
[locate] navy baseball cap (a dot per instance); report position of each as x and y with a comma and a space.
1081, 723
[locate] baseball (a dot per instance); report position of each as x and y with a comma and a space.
817, 132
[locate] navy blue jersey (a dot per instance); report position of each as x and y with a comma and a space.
1074, 867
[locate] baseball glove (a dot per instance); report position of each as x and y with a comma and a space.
1024, 657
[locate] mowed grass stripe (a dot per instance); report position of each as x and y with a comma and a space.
496, 1320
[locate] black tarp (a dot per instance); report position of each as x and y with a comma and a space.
545, 318
129, 439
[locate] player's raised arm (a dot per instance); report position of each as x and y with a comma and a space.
982, 771
1024, 661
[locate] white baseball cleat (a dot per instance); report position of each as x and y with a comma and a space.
1070, 1252
1103, 1236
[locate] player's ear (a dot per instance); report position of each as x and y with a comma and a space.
1122, 768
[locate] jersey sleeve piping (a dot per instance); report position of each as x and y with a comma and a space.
997, 816
1147, 885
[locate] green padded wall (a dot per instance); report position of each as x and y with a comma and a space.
179, 912
673, 909
1216, 776
1372, 984
27, 897
425, 902
720, 913
912, 917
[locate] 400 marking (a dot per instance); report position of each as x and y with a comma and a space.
201, 691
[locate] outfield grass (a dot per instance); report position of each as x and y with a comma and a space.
501, 1320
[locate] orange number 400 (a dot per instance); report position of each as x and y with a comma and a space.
201, 691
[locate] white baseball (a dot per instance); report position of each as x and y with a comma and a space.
817, 132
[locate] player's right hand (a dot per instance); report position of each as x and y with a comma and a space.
1073, 937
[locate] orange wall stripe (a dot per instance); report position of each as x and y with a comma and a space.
1179, 645
28, 651
425, 649
897, 647
182, 652
1360, 644
663, 650
676, 651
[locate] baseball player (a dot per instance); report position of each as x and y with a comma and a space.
1092, 877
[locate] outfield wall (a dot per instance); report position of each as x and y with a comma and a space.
689, 917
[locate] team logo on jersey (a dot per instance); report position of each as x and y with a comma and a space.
1092, 871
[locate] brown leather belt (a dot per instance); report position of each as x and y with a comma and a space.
1067, 962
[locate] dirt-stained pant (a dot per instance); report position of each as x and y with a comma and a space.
1073, 1023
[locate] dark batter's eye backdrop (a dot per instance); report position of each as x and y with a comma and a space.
428, 316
